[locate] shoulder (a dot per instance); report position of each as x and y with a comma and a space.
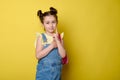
39, 39
62, 35
39, 35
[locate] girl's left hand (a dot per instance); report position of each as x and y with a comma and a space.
56, 36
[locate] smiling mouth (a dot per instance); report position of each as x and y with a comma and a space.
51, 29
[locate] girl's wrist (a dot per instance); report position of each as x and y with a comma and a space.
58, 41
52, 46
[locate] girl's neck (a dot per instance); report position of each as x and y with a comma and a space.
50, 34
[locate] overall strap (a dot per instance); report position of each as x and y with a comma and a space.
44, 37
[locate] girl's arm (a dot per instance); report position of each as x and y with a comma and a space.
60, 46
61, 49
40, 52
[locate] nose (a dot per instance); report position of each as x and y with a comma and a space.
51, 25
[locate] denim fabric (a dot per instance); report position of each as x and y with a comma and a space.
49, 67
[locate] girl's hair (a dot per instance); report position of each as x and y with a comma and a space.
52, 11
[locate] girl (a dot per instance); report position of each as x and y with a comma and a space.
49, 47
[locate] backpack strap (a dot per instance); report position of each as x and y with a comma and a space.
44, 37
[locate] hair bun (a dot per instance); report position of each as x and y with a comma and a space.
39, 13
53, 10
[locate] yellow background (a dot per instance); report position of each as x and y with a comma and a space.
92, 38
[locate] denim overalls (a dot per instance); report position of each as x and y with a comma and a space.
49, 67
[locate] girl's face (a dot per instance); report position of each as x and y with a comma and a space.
50, 23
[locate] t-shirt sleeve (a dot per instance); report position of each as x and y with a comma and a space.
37, 36
62, 35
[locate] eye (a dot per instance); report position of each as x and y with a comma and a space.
47, 22
53, 21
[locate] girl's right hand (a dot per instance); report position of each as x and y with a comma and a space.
54, 44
